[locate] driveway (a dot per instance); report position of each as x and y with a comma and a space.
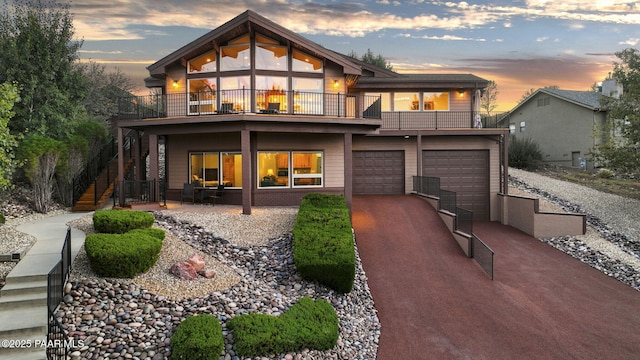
435, 303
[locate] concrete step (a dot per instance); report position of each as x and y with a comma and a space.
21, 301
26, 346
18, 323
24, 287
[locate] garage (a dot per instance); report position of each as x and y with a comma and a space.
378, 172
464, 171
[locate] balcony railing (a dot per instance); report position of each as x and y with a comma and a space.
419, 120
249, 101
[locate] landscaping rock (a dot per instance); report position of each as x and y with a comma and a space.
184, 270
197, 261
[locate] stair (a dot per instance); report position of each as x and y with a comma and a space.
23, 317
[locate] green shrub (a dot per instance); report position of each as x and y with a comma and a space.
604, 174
2, 219
121, 221
524, 153
308, 324
198, 337
323, 248
124, 255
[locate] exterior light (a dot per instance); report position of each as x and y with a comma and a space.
461, 93
175, 83
336, 84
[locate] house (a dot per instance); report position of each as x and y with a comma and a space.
273, 116
566, 124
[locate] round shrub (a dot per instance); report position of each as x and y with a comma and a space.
604, 174
524, 153
124, 255
121, 221
198, 337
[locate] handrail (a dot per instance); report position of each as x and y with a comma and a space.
56, 280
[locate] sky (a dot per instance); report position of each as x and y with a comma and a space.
519, 44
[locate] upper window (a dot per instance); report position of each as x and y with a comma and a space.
436, 101
406, 101
271, 90
270, 55
306, 63
202, 96
236, 55
203, 63
544, 101
307, 96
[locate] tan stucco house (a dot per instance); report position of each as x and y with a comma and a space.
272, 116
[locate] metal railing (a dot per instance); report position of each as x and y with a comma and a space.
56, 280
249, 101
140, 191
479, 251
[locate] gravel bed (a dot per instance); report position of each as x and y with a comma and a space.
614, 252
118, 318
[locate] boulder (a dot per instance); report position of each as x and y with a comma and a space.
184, 270
197, 261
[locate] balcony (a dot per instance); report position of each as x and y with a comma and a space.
427, 120
241, 101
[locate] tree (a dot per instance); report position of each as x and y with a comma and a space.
40, 155
369, 58
37, 51
620, 145
489, 99
103, 90
8, 97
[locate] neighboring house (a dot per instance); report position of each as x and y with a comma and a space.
566, 124
273, 116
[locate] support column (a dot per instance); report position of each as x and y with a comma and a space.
348, 169
505, 164
419, 154
137, 153
120, 179
154, 162
245, 143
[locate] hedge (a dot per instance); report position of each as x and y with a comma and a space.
323, 248
307, 324
124, 255
198, 337
121, 221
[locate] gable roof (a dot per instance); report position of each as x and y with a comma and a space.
586, 99
240, 25
423, 81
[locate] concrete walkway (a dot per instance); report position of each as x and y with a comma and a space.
23, 299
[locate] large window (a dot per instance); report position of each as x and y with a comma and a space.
236, 55
270, 55
406, 101
285, 169
308, 96
436, 101
210, 169
305, 63
271, 90
235, 93
203, 63
202, 96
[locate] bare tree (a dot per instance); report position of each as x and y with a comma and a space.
489, 99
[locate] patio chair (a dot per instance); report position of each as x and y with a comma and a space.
188, 192
226, 108
217, 195
272, 108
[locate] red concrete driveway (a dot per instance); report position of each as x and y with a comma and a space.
435, 303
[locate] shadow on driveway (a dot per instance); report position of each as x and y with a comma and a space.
435, 303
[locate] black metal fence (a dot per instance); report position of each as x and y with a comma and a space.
140, 191
479, 251
249, 101
56, 280
482, 254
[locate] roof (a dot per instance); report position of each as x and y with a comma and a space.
240, 25
423, 81
586, 99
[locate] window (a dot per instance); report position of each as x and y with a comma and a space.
307, 168
285, 169
203, 63
406, 102
544, 101
306, 63
270, 55
206, 169
436, 101
235, 91
512, 129
270, 90
202, 96
522, 126
385, 99
308, 97
236, 55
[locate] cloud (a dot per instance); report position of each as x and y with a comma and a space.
630, 42
443, 37
542, 39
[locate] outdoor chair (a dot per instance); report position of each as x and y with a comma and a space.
217, 195
272, 108
188, 192
226, 108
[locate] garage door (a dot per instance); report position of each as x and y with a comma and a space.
464, 171
378, 172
